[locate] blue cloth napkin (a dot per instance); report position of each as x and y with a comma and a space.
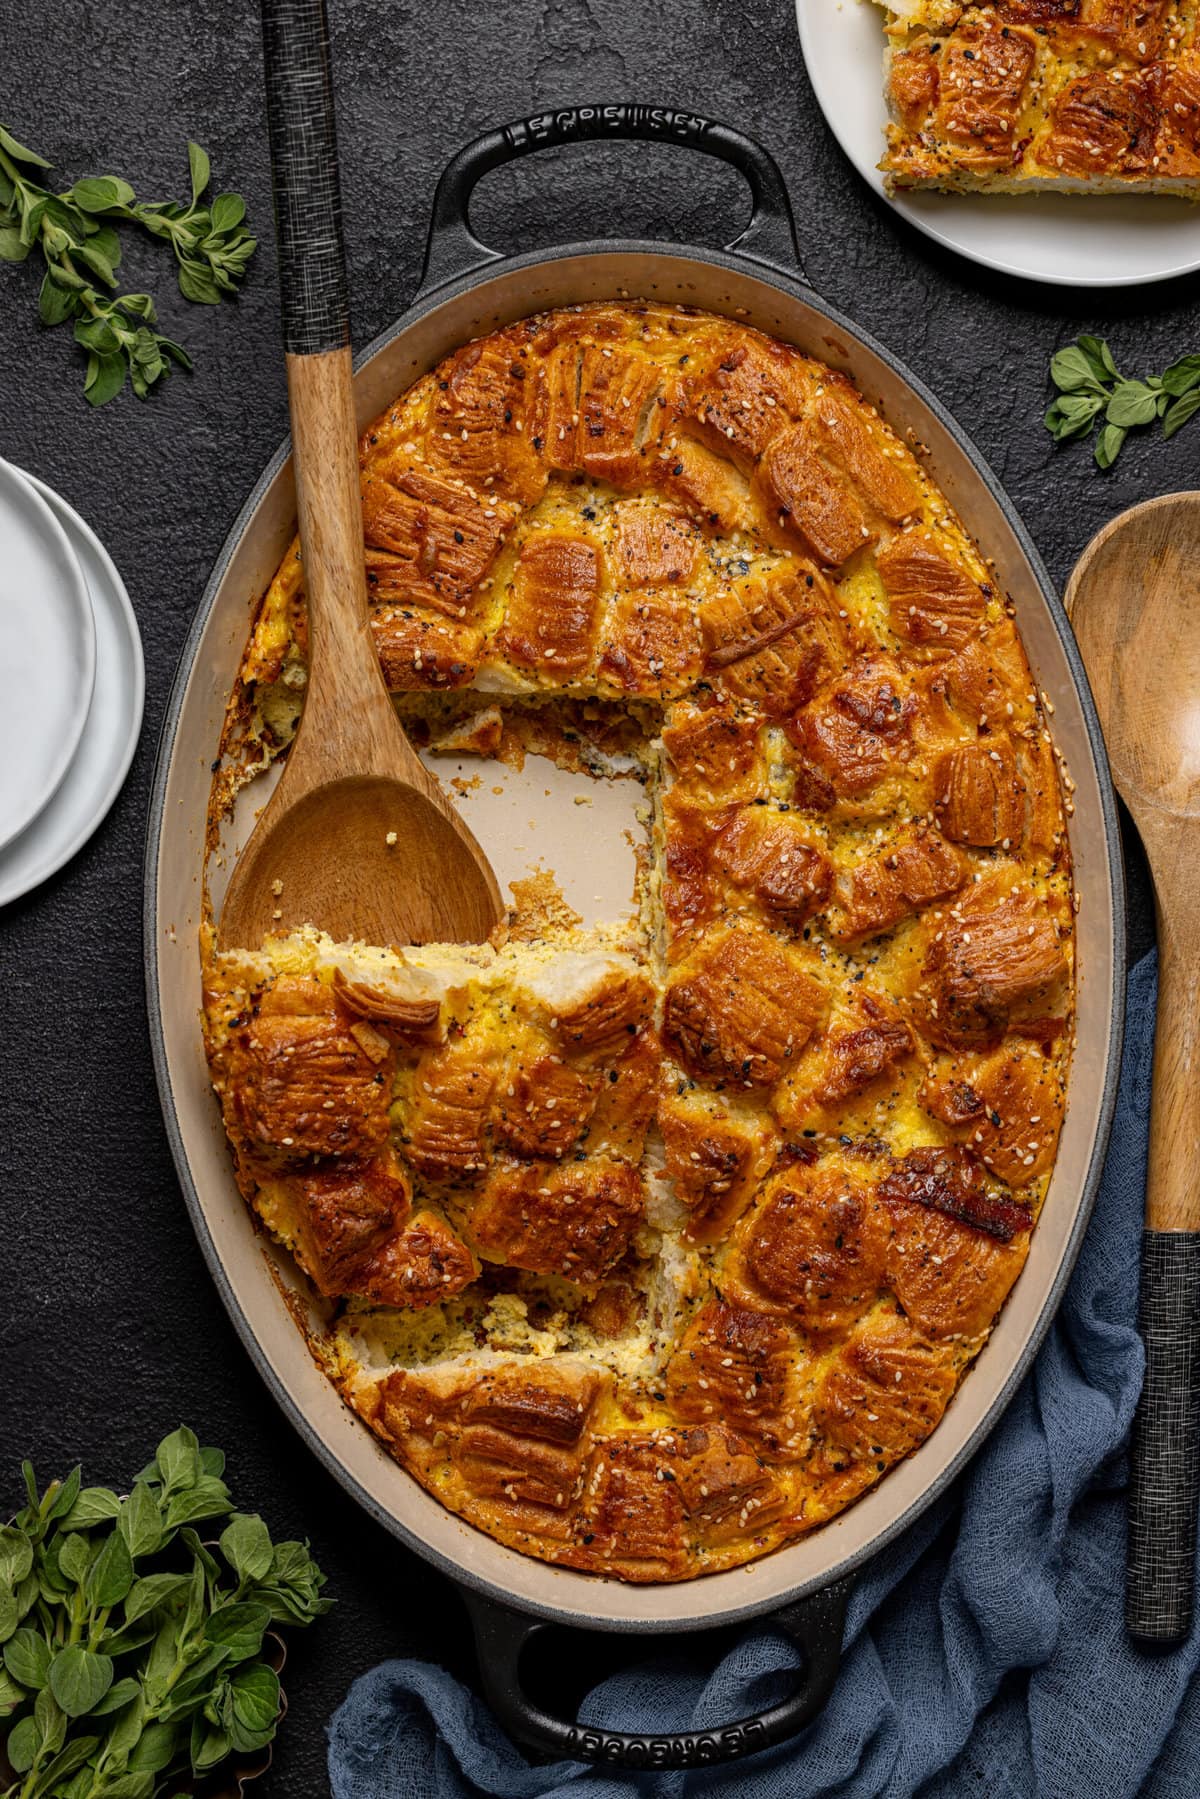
984, 1650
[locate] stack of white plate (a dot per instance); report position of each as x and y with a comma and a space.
72, 682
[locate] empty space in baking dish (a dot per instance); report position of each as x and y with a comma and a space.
586, 828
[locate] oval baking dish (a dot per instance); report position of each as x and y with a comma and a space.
467, 290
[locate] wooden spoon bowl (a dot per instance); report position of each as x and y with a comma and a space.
358, 838
1134, 601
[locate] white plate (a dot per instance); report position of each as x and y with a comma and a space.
112, 726
47, 654
1113, 240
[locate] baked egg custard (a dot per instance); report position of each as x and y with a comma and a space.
649, 1245
1074, 96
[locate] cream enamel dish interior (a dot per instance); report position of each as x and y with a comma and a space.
254, 1277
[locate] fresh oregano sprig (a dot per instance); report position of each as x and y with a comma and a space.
1093, 395
211, 243
130, 1652
75, 233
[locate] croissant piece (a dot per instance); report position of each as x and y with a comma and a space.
979, 795
552, 616
575, 1219
739, 1366
407, 1017
933, 605
950, 1179
1008, 1106
299, 1083
446, 1118
812, 1248
741, 1007
343, 1212
851, 442
421, 1264
807, 498
714, 1157
883, 1394
994, 959
712, 749
445, 536
918, 868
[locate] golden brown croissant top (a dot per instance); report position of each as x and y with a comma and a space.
650, 1249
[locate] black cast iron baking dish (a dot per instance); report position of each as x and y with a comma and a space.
468, 289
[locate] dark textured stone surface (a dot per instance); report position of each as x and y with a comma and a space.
111, 1330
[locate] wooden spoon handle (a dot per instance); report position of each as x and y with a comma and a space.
1164, 1484
304, 170
345, 687
346, 703
1173, 1174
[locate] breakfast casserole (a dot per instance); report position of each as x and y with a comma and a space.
647, 1246
1076, 96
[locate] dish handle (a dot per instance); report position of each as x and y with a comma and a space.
502, 1634
454, 250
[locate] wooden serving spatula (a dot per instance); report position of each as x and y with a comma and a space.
1134, 600
358, 838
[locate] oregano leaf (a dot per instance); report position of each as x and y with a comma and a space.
1108, 445
155, 1749
79, 1679
1071, 370
67, 1494
12, 1694
140, 1522
19, 152
70, 1757
209, 1744
117, 1696
254, 1690
16, 1555
27, 1658
238, 1629
74, 1554
205, 1498
1182, 376
198, 284
24, 1740
110, 1575
76, 233
152, 1591
228, 210
105, 378
1099, 356
198, 165
1089, 384
178, 1460
1180, 411
95, 1505
1132, 403
118, 1685
246, 1546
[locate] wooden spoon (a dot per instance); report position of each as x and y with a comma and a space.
1134, 600
357, 838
